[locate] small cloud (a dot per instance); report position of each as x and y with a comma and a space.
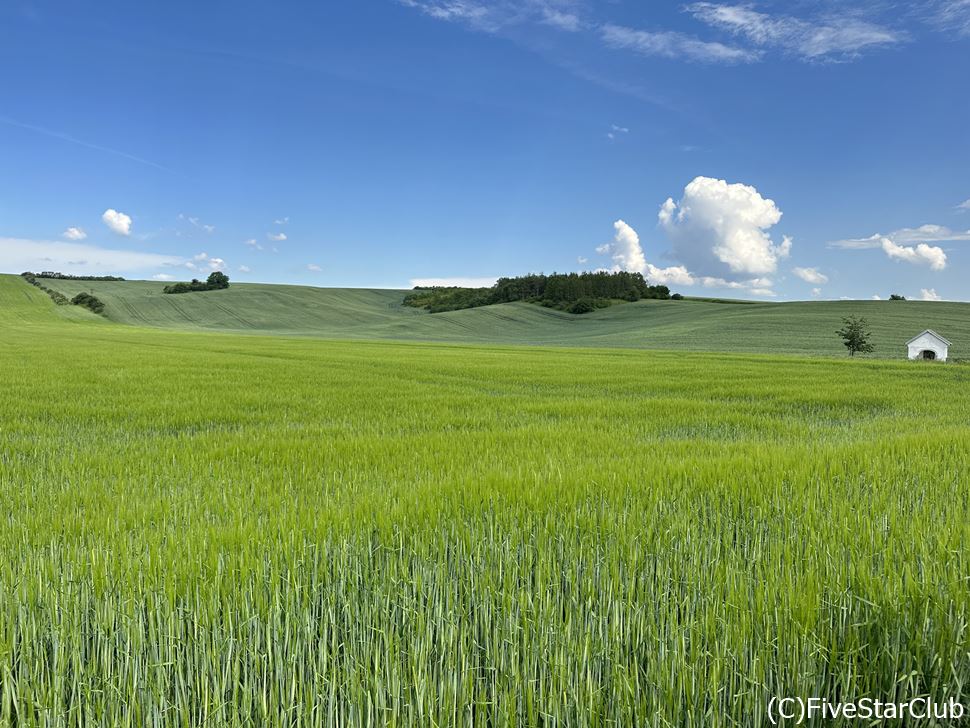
282, 221
921, 254
876, 297
816, 292
764, 292
671, 44
929, 294
74, 233
253, 244
117, 222
811, 275
582, 260
313, 267
459, 282
163, 277
965, 205
245, 269
276, 237
205, 262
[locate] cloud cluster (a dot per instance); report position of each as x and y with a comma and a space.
929, 294
117, 222
837, 36
719, 229
494, 15
671, 44
277, 237
909, 244
74, 233
204, 262
77, 258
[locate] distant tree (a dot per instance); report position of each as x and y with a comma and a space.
89, 301
896, 297
855, 335
218, 280
583, 305
677, 297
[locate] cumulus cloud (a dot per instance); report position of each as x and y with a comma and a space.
313, 267
459, 281
276, 237
929, 294
839, 36
921, 254
811, 275
671, 44
720, 230
77, 258
117, 222
205, 262
74, 233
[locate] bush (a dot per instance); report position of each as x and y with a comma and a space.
676, 297
896, 297
583, 305
92, 303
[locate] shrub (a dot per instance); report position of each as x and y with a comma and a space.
583, 305
90, 302
216, 281
677, 297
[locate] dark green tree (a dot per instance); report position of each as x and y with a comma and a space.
217, 280
855, 335
896, 297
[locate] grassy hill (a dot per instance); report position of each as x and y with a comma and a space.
698, 325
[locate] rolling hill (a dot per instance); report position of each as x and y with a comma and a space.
342, 313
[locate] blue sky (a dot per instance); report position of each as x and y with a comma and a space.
765, 150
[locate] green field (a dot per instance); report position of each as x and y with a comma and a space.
256, 530
792, 328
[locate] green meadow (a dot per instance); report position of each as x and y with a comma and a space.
256, 529
806, 328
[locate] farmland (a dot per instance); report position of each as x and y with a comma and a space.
793, 328
259, 530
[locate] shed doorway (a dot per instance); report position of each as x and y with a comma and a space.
928, 355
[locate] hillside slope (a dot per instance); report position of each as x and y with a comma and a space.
800, 327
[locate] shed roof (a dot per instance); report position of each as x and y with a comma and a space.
932, 333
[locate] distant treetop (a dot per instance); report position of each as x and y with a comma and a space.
216, 281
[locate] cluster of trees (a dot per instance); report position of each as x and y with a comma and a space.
216, 281
68, 277
574, 292
89, 301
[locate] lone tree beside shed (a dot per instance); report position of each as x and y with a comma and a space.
855, 335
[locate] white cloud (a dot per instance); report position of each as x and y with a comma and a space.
163, 277
74, 233
277, 237
811, 275
314, 268
253, 244
766, 292
282, 221
460, 282
627, 254
929, 294
492, 16
720, 229
816, 292
876, 297
205, 262
965, 205
117, 222
951, 15
921, 254
834, 37
921, 234
245, 269
582, 260
17, 254
195, 222
670, 44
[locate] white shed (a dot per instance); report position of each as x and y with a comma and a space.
928, 345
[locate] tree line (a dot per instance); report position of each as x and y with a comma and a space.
68, 277
216, 281
87, 300
574, 292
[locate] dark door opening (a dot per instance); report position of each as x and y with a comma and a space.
929, 355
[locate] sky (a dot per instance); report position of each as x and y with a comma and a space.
766, 150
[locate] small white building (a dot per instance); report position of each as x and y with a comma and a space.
928, 345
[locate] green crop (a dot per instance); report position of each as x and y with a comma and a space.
223, 530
